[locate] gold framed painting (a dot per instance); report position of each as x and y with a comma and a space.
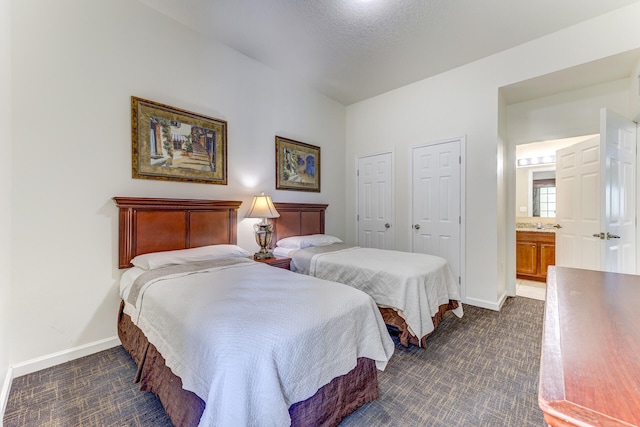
177, 145
297, 165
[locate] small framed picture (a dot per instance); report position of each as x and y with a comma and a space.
297, 165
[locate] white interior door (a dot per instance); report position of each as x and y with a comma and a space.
578, 205
596, 202
618, 136
436, 201
375, 201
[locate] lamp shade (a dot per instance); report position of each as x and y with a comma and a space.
262, 207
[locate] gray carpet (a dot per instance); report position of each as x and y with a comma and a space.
481, 370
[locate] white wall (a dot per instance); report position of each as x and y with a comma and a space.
5, 187
567, 114
522, 192
75, 66
465, 101
635, 93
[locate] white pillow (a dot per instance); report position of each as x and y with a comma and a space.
300, 242
155, 260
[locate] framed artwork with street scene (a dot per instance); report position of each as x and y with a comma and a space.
177, 145
297, 165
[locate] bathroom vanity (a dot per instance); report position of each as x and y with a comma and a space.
535, 252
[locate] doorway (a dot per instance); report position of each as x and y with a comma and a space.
535, 213
561, 104
596, 200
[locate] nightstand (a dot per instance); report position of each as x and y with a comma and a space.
276, 261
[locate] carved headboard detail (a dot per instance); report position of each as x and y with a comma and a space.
153, 225
298, 219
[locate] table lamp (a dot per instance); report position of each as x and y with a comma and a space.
262, 207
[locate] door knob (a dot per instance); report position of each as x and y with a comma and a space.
417, 226
612, 236
387, 225
599, 235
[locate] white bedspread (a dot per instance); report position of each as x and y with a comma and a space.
251, 339
413, 284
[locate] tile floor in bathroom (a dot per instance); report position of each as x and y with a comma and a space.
531, 289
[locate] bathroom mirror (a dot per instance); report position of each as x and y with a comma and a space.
543, 194
535, 192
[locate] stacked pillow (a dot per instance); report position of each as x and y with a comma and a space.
155, 260
300, 242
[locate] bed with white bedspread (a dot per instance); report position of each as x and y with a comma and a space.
242, 328
415, 285
413, 291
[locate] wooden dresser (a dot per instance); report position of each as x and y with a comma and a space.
590, 365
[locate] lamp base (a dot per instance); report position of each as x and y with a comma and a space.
263, 255
264, 231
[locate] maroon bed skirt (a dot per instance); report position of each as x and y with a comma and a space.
392, 318
327, 407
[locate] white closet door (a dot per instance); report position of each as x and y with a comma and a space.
436, 199
375, 201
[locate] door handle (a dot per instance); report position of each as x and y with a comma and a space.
607, 236
417, 226
387, 225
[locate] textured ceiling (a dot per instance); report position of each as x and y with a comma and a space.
351, 50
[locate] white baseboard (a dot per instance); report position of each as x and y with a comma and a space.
490, 305
63, 356
48, 361
502, 299
4, 393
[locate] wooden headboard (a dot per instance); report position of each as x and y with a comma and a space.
153, 225
297, 219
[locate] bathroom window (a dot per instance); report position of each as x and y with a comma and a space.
544, 198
